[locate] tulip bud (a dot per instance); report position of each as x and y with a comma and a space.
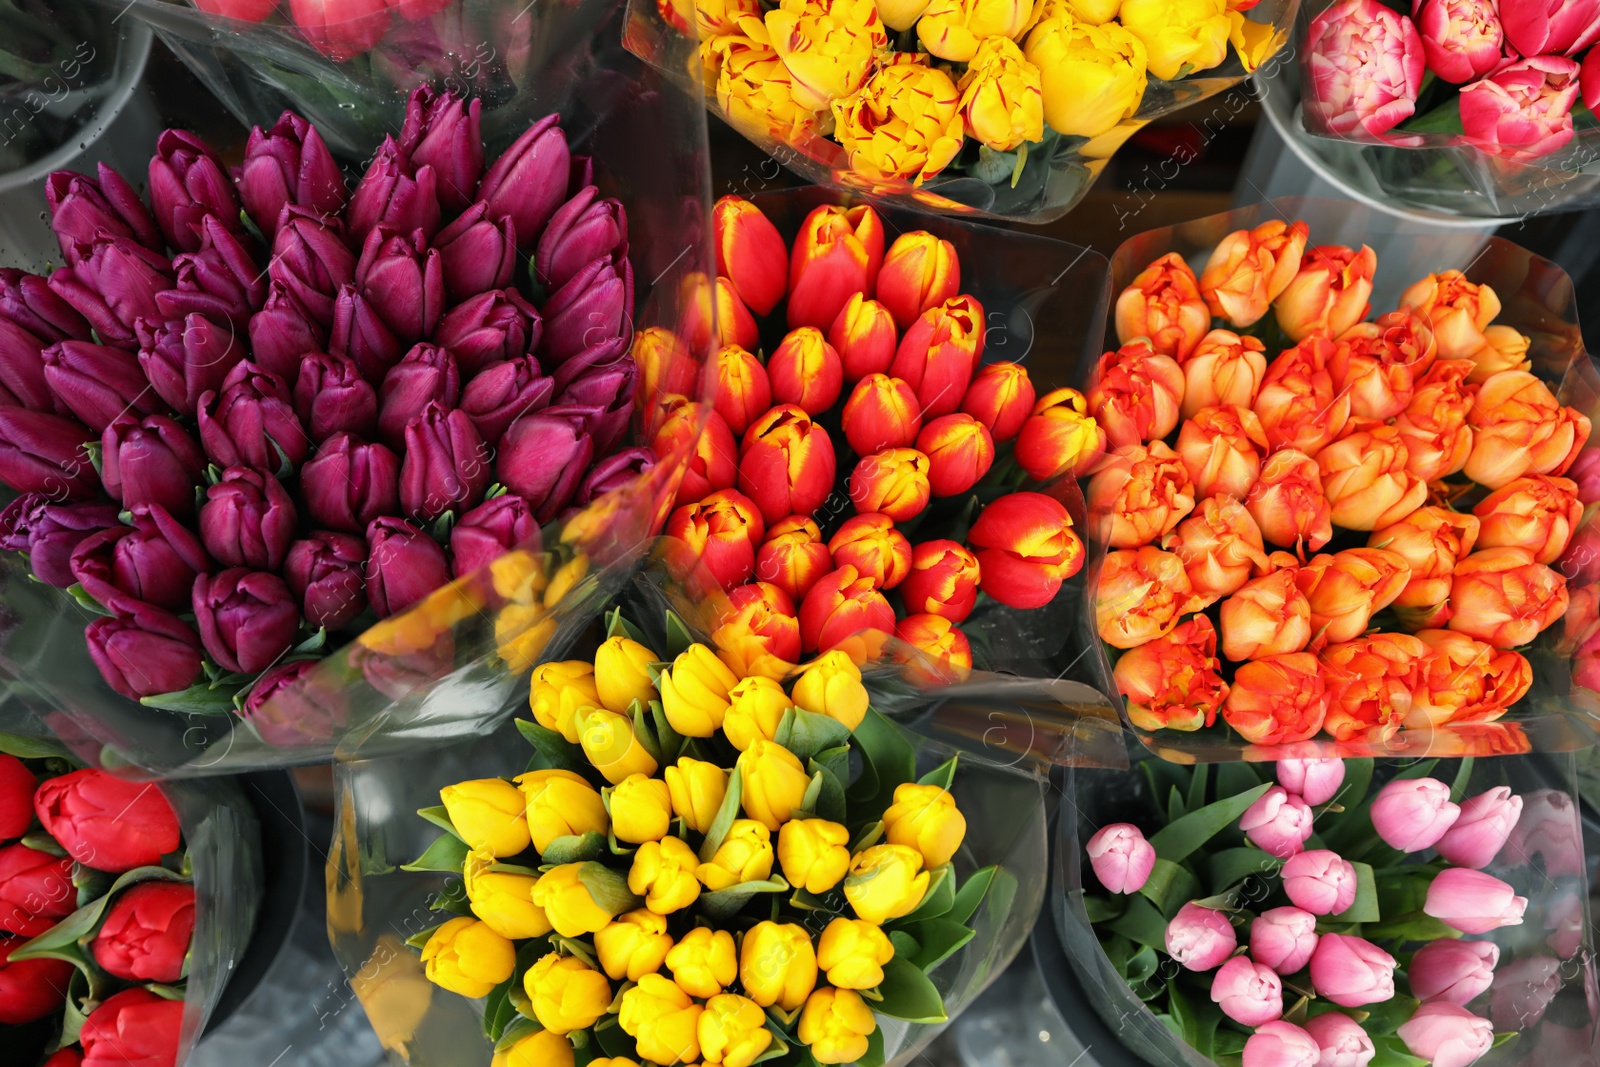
1059, 437
1298, 406
1287, 502
36, 888
1248, 993
330, 397
1282, 1044
1221, 449
1135, 396
1316, 781
34, 989
398, 193
641, 809
311, 262
739, 386
542, 457
1121, 857
893, 482
1283, 939
54, 531
786, 464
251, 422
713, 457
1473, 902
81, 208
22, 378
1249, 268
662, 1020
1365, 479
112, 822
1537, 513
756, 706
1267, 616
804, 370
696, 789
960, 452
1199, 938
487, 328
324, 571
288, 164
713, 316
845, 610
1025, 548
1320, 882
722, 530
750, 253
446, 465
919, 271
97, 383
1519, 429
732, 1031
465, 956
925, 817
872, 545
583, 229
1446, 1033
488, 814
1412, 814
836, 254
635, 944
939, 652
610, 745
529, 180
663, 873
1477, 836
943, 580
403, 565
595, 305
146, 932
1329, 294
347, 484
1501, 596
559, 691
939, 353
793, 556
1351, 971
113, 284
145, 461
865, 337
694, 692
1138, 495
247, 619
477, 254
881, 413
42, 453
1263, 720
182, 359
283, 331
402, 280
1163, 304
1451, 971
504, 901
835, 1025
616, 472
248, 520
488, 531
1224, 370
187, 185
147, 653
442, 131
1220, 546
745, 855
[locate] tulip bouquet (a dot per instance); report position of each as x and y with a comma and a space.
1320, 920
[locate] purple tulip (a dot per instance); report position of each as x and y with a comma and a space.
251, 422
82, 208
614, 472
98, 383
609, 394
288, 164
529, 180
395, 193
403, 565
359, 332
490, 327
16, 519
330, 396
479, 253
592, 307
151, 461
291, 706
445, 466
42, 453
247, 619
403, 281
154, 561
582, 230
27, 301
187, 183
220, 279
502, 392
114, 285
347, 484
185, 358
543, 457
55, 530
399, 674
490, 530
444, 132
325, 570
91, 569
22, 378
247, 520
283, 331
425, 375
311, 261
145, 654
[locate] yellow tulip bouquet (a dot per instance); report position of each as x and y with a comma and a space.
699, 866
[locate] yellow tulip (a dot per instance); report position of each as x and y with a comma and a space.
559, 691
951, 29
733, 1031
641, 809
835, 1025
814, 853
1180, 37
885, 882
753, 86
1093, 77
518, 576
569, 903
745, 855
831, 685
662, 1021
697, 789
1093, 12
755, 707
566, 992
613, 1061
852, 953
901, 15
504, 901
566, 577
663, 873
634, 945
609, 743
560, 804
694, 692
777, 965
714, 17
1253, 41
704, 962
542, 1048
1002, 99
622, 675
394, 991
904, 123
773, 783
465, 956
827, 46
925, 817
488, 813
521, 632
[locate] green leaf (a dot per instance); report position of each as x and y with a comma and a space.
1339, 830
725, 903
1101, 910
938, 900
1392, 1052
43, 842
1141, 923
82, 923
517, 1027
551, 750
617, 626
938, 940
887, 760
873, 1057
1140, 967
1179, 839
718, 830
1176, 809
829, 802
81, 595
906, 993
941, 775
1413, 927
1387, 1017
448, 853
196, 700
574, 848
1169, 887
1365, 907
1236, 778
1197, 788
1231, 866
1198, 1023
1163, 777
314, 643
420, 938
608, 888
1420, 769
971, 894
497, 1010
679, 636
640, 720
1505, 1037
1458, 788
440, 818
31, 747
806, 733
905, 946
668, 739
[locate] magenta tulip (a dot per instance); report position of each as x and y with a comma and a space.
291, 706
1351, 971
582, 230
288, 164
479, 253
149, 461
1342, 1040
1480, 833
22, 378
616, 471
154, 559
1589, 84
1200, 938
443, 131
360, 333
184, 358
27, 302
1446, 1035
247, 619
1278, 822
331, 396
1523, 989
1283, 938
42, 453
1462, 39
488, 328
591, 308
1281, 1044
82, 207
395, 193
1452, 970
529, 180
502, 392
403, 565
1315, 781
1523, 108
1320, 882
149, 652
1548, 829
1550, 27
1473, 902
1366, 63
325, 570
98, 383
402, 279
283, 331
113, 285
188, 184
248, 520
251, 422
445, 465
489, 531
311, 261
219, 280
427, 374
542, 458
55, 530
1248, 993
1412, 814
1121, 857
605, 399
348, 483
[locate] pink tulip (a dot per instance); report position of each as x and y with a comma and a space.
1585, 470
1446, 1035
1589, 82
1320, 882
1283, 939
1315, 781
1121, 857
1524, 108
1480, 833
1248, 993
1200, 938
1548, 829
1342, 1040
1351, 971
1461, 38
1411, 814
1550, 27
1523, 989
1281, 1044
1366, 67
1452, 971
1563, 917
1473, 902
1278, 822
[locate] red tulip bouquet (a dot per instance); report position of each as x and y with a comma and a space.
1311, 917
119, 923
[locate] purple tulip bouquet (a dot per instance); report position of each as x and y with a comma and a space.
1320, 920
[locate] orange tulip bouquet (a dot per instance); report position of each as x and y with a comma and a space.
1323, 523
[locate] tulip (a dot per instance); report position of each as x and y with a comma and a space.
487, 328
1219, 547
441, 131
1459, 310
1371, 683
145, 933
465, 956
1330, 292
885, 882
1473, 902
1283, 939
1320, 882
1367, 64
1221, 449
635, 944
713, 457
1431, 541
938, 652
283, 331
36, 889
786, 464
1365, 479
1162, 305
696, 789
793, 556
1298, 405
836, 255
1171, 682
288, 164
1140, 595
402, 281
1138, 495
113, 284
187, 185
403, 565
804, 371
881, 413
106, 822
777, 965
542, 457
1135, 396
1522, 108
557, 804
663, 873
827, 48
1025, 548
756, 706
872, 545
1279, 823
845, 609
558, 692
1282, 1044
750, 253
155, 561
939, 352
760, 637
1518, 429
925, 817
814, 855
1342, 1040
836, 1025
311, 262
745, 855
248, 520
567, 893
1446, 1035
446, 465
1501, 596
31, 989
289, 708
704, 963
1246, 272
1251, 711
919, 272
610, 745
1001, 397
181, 359
1536, 513
567, 994
581, 230
722, 530
942, 580
251, 422
1351, 972
1059, 437
82, 208
713, 315
1453, 972
641, 809
1224, 370
1002, 96
1178, 37
347, 484
50, 533
865, 337
1379, 363
740, 388
1316, 781
247, 619
21, 371
592, 307
774, 783
220, 280
952, 29
1347, 588
831, 685
16, 797
1121, 857
477, 254
97, 383
501, 899
1092, 77
331, 397
528, 182
662, 1020
1523, 990
1200, 938
398, 193
146, 654
1485, 822
1549, 829
1462, 39
694, 692
1465, 680
622, 675
134, 1026
732, 1031
1248, 993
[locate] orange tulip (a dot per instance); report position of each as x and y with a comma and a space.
1347, 588
1059, 437
759, 635
1434, 425
1519, 428
1025, 547
1378, 363
872, 545
1370, 685
1431, 540
1365, 479
939, 353
882, 412
1538, 513
1249, 268
786, 463
1172, 683
1219, 544
1221, 449
1287, 502
943, 580
1135, 394
714, 315
893, 482
1329, 294
1582, 620
722, 530
1001, 397
1504, 349
1140, 596
1163, 305
1224, 369
740, 390
1278, 700
1464, 680
750, 253
836, 255
845, 610
1137, 495
714, 463
946, 655
1268, 616
805, 371
1298, 405
1459, 311
793, 556
864, 335
1503, 597
666, 368
959, 450
919, 271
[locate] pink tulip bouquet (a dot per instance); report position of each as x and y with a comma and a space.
1316, 919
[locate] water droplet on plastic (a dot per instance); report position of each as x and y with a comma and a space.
345, 105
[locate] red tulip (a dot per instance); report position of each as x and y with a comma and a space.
30, 989
872, 545
959, 450
805, 371
836, 254
865, 337
882, 412
714, 462
134, 1028
146, 932
16, 797
919, 271
36, 890
740, 389
786, 463
750, 253
939, 354
893, 482
1026, 548
943, 653
722, 530
106, 822
845, 610
1001, 397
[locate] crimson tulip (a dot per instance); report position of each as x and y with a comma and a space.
97, 383
331, 397
247, 619
30, 989
479, 253
542, 458
291, 706
311, 261
582, 230
146, 932
288, 164
36, 890
187, 185
183, 358
403, 565
113, 285
786, 463
502, 392
425, 375
402, 280
54, 531
134, 1028
443, 131
26, 301
283, 331
490, 327
220, 279
81, 208
324, 571
529, 180
106, 822
247, 520
16, 797
445, 466
490, 530
251, 422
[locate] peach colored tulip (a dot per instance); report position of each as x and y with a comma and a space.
1268, 616
1278, 700
1504, 349
1432, 540
1135, 394
1537, 513
1378, 363
1249, 268
1365, 479
1370, 685
1221, 448
1287, 502
1458, 309
1219, 545
1503, 597
1298, 404
1137, 495
1172, 683
1329, 294
1434, 425
1463, 680
1163, 304
1346, 588
1519, 428
1223, 369
1140, 596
